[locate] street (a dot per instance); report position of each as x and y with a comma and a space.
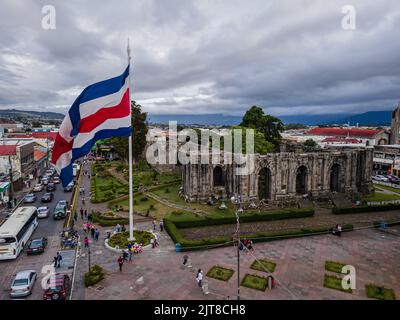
49, 228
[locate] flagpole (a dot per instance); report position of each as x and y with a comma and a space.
131, 237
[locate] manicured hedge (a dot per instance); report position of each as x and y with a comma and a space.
199, 244
105, 221
363, 209
263, 216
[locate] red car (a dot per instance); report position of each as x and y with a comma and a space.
58, 287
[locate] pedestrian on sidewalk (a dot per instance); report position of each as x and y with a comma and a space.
96, 234
185, 259
84, 227
156, 244
57, 260
92, 231
90, 217
75, 216
83, 200
130, 254
152, 243
86, 242
86, 213
161, 226
81, 213
199, 278
120, 263
154, 224
124, 255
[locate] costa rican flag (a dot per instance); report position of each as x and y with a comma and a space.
101, 111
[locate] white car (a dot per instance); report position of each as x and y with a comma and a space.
45, 180
23, 284
56, 180
43, 212
38, 187
380, 178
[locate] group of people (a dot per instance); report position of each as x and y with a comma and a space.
155, 225
337, 230
127, 255
248, 244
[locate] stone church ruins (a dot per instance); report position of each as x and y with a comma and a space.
283, 177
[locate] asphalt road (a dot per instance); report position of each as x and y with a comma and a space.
48, 227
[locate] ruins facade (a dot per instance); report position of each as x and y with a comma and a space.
282, 177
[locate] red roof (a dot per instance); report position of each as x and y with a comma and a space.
44, 135
345, 132
344, 140
8, 150
37, 154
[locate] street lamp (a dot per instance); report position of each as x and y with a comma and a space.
237, 200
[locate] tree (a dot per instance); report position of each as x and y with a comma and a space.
139, 132
310, 145
268, 125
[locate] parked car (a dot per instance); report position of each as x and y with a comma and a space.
51, 187
23, 284
29, 198
58, 287
393, 179
69, 187
47, 197
56, 179
45, 180
43, 212
38, 187
37, 246
49, 172
380, 178
60, 211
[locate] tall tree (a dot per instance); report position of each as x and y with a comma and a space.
139, 132
270, 126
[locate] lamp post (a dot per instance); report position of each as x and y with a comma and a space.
237, 200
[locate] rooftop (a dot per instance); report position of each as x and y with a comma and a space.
345, 132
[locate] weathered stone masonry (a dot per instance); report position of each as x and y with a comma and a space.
283, 176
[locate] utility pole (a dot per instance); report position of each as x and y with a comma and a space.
11, 195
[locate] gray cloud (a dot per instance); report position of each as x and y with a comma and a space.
205, 56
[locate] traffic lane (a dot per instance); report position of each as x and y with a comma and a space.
47, 227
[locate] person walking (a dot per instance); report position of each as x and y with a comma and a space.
86, 242
130, 254
83, 200
96, 234
154, 225
124, 255
120, 263
81, 213
92, 231
57, 260
199, 278
161, 226
185, 259
75, 216
85, 213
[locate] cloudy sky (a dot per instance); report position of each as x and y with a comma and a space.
199, 56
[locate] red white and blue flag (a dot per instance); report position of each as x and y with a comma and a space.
101, 111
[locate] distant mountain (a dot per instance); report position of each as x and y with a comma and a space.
371, 118
24, 114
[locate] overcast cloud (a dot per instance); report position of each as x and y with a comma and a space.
290, 57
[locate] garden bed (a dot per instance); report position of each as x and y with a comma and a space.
220, 273
120, 240
263, 264
379, 292
255, 282
334, 266
333, 282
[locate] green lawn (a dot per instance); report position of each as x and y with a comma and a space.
333, 282
263, 264
220, 273
378, 292
255, 282
334, 266
387, 188
379, 196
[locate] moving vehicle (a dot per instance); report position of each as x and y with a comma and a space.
60, 211
23, 284
29, 198
75, 169
43, 212
37, 246
16, 231
56, 180
50, 172
69, 187
47, 197
38, 187
51, 187
45, 180
380, 178
58, 287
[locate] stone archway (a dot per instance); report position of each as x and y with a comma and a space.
264, 184
335, 178
301, 180
218, 177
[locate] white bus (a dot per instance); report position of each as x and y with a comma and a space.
16, 231
75, 169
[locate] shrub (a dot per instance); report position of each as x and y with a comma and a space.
107, 221
121, 239
379, 292
95, 275
220, 273
363, 209
144, 199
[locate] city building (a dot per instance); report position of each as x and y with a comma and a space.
395, 126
